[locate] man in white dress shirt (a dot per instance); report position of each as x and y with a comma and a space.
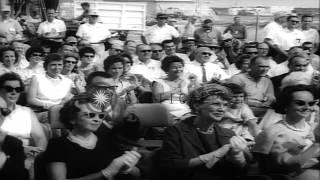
204, 70
292, 35
146, 66
160, 32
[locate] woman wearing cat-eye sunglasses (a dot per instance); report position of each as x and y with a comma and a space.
289, 143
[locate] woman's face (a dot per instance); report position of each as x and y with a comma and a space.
36, 58
301, 105
128, 64
213, 107
8, 58
116, 69
69, 63
175, 69
10, 91
88, 120
54, 68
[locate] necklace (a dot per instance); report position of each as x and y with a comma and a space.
85, 142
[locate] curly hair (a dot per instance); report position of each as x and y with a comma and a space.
167, 61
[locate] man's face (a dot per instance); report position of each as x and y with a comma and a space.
237, 20
131, 48
51, 14
263, 49
307, 22
144, 52
295, 51
203, 55
87, 58
6, 14
190, 45
116, 49
157, 52
169, 48
293, 23
299, 64
308, 48
93, 19
3, 42
252, 51
162, 20
260, 67
207, 26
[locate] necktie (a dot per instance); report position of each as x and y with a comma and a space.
204, 74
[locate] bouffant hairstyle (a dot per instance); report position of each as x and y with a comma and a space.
286, 97
110, 60
50, 58
167, 61
85, 50
32, 50
10, 76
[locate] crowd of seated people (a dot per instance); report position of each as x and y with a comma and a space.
234, 109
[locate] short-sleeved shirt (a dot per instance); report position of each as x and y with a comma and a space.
156, 34
256, 90
150, 71
311, 35
93, 33
238, 31
10, 28
203, 37
292, 38
53, 28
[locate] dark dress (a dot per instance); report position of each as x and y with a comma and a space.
81, 161
13, 168
183, 142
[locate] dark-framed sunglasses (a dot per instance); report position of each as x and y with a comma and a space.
70, 62
37, 54
11, 89
100, 115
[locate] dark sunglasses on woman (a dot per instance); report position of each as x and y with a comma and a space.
11, 89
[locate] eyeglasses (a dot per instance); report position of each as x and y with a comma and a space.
88, 56
101, 115
71, 62
144, 51
36, 54
162, 18
205, 53
303, 103
157, 51
294, 22
118, 50
252, 53
10, 89
5, 111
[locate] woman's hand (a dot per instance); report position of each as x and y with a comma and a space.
32, 151
124, 164
238, 144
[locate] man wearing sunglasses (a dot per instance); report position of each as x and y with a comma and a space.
203, 69
160, 31
314, 59
292, 35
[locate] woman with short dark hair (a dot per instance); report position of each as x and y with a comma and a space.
288, 147
8, 58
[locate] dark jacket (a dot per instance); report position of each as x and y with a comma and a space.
183, 142
13, 168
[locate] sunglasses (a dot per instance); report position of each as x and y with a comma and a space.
10, 89
88, 56
144, 51
295, 22
1, 43
118, 50
39, 55
157, 51
163, 18
303, 103
71, 62
5, 111
252, 53
73, 43
205, 53
101, 115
